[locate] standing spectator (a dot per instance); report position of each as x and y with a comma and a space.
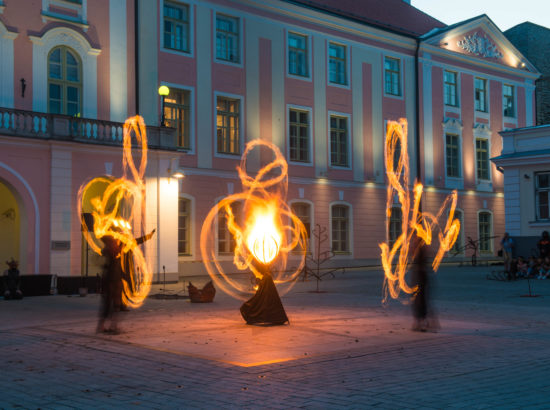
507, 244
544, 245
12, 281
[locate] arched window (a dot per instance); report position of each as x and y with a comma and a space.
485, 226
340, 229
394, 229
184, 226
226, 241
303, 211
64, 82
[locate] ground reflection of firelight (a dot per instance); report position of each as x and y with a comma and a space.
119, 207
395, 259
264, 229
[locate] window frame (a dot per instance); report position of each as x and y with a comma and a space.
191, 91
308, 43
348, 138
458, 155
486, 160
240, 48
489, 241
189, 230
63, 82
395, 222
385, 71
311, 248
309, 110
346, 60
242, 131
349, 252
485, 91
456, 89
511, 98
537, 201
191, 34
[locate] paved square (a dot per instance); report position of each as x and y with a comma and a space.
341, 350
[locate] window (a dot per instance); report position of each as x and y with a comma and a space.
298, 125
339, 141
452, 152
394, 228
458, 247
542, 193
508, 100
480, 86
450, 88
297, 55
176, 26
337, 64
228, 126
226, 241
482, 158
340, 229
178, 115
303, 211
64, 82
227, 38
392, 76
485, 229
184, 226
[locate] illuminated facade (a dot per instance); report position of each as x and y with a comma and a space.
319, 79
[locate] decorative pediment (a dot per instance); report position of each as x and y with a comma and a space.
450, 123
482, 129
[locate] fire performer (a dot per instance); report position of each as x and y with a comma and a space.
111, 285
423, 314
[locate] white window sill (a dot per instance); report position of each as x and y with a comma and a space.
454, 183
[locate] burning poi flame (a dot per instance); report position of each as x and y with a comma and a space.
413, 220
265, 232
114, 213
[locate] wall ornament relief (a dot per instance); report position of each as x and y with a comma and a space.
479, 45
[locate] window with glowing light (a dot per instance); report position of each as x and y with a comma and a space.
392, 76
452, 153
508, 100
64, 82
298, 60
176, 26
542, 195
337, 65
177, 113
482, 158
303, 211
340, 229
227, 38
298, 130
226, 241
394, 228
339, 141
480, 94
184, 226
450, 88
228, 126
485, 221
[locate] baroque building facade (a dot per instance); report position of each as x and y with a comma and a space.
319, 79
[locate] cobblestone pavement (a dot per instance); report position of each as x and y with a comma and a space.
341, 350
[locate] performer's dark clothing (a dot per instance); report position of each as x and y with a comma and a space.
111, 282
128, 270
265, 307
544, 246
420, 276
12, 283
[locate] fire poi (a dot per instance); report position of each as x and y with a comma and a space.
118, 209
395, 259
265, 231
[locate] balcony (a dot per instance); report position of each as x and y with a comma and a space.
30, 124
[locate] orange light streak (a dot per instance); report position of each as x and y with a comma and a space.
266, 231
113, 213
395, 259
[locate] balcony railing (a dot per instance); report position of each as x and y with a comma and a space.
30, 124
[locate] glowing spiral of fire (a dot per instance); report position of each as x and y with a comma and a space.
265, 230
395, 259
114, 213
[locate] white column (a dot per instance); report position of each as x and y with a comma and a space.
320, 138
357, 97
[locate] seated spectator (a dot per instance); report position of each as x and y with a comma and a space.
522, 267
533, 269
12, 281
544, 270
512, 269
543, 245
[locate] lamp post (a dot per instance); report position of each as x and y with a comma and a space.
163, 92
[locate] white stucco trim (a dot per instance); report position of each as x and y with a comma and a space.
36, 213
63, 36
6, 67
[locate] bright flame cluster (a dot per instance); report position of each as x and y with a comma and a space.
114, 212
265, 230
395, 259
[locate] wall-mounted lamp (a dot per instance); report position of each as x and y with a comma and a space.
174, 171
526, 176
445, 44
163, 92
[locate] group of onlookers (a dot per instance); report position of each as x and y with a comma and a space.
533, 267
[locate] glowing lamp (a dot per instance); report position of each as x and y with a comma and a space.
163, 90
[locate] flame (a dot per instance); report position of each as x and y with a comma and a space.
413, 220
114, 212
265, 231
